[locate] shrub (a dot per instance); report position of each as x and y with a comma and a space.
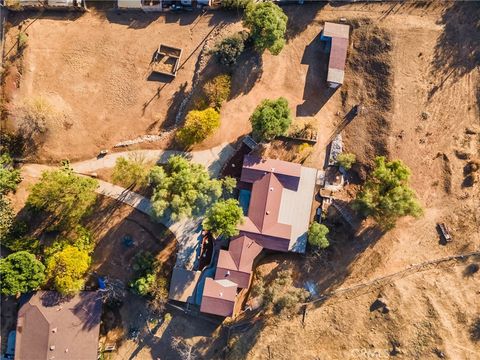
386, 195
66, 269
199, 124
223, 218
131, 172
267, 24
317, 235
9, 176
37, 114
22, 40
6, 218
217, 90
346, 160
230, 48
270, 119
21, 272
159, 293
281, 295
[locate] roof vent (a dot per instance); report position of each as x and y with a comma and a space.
54, 330
66, 350
268, 212
271, 189
273, 169
52, 347
228, 273
221, 294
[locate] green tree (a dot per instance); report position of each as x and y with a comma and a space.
132, 171
6, 218
217, 90
230, 48
229, 184
270, 119
9, 176
223, 218
182, 189
267, 24
386, 195
346, 160
66, 269
317, 235
21, 272
199, 124
64, 195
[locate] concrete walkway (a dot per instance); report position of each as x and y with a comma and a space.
213, 159
187, 231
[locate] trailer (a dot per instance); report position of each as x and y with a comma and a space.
166, 60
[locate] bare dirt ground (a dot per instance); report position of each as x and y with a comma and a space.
94, 69
434, 66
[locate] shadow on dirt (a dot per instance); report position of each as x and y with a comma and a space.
457, 51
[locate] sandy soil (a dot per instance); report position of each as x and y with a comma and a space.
95, 70
433, 311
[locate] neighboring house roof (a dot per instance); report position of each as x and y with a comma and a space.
183, 284
338, 52
219, 297
276, 182
336, 30
49, 329
236, 263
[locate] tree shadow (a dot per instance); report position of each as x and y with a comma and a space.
457, 51
248, 71
300, 17
316, 92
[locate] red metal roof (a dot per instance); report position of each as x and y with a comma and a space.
254, 168
218, 297
338, 54
236, 263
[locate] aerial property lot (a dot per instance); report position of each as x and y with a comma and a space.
346, 225
95, 70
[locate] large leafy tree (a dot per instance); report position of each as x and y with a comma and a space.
267, 24
198, 125
270, 119
230, 48
66, 269
182, 189
223, 218
66, 196
317, 235
386, 195
9, 176
21, 272
131, 171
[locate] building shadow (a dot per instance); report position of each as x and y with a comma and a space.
316, 92
457, 51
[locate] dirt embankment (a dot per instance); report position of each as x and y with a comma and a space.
369, 83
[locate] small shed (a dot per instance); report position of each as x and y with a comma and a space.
183, 284
336, 35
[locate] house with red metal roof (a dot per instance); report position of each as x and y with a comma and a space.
277, 217
336, 35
